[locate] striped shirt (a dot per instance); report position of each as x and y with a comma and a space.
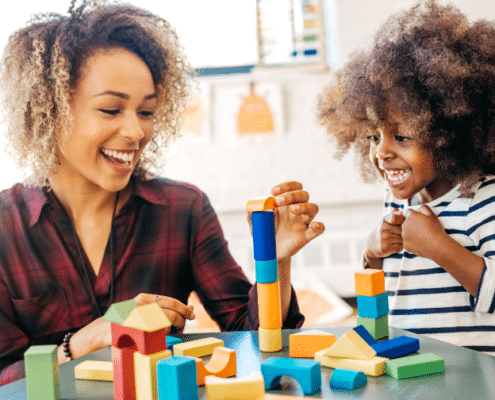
424, 298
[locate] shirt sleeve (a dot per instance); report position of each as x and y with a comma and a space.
227, 295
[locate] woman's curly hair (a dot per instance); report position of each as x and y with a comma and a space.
440, 71
42, 63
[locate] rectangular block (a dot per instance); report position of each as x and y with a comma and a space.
414, 366
369, 282
251, 387
145, 374
306, 343
377, 327
197, 348
176, 377
397, 347
373, 367
94, 370
372, 306
42, 372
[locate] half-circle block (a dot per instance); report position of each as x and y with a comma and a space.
222, 364
373, 367
250, 387
306, 372
351, 345
347, 379
369, 282
266, 271
264, 245
372, 306
306, 343
176, 377
197, 348
261, 204
270, 309
270, 340
397, 347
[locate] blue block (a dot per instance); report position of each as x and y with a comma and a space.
306, 372
372, 306
171, 340
347, 379
365, 335
264, 235
267, 271
176, 378
397, 347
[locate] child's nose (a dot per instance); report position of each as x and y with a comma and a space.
384, 149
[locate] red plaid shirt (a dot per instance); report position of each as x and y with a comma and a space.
167, 240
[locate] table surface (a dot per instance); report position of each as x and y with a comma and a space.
468, 374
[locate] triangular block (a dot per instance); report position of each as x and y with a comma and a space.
118, 312
147, 318
351, 345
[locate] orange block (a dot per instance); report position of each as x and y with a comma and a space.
369, 282
270, 309
222, 364
262, 204
306, 343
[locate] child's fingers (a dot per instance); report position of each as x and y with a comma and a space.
394, 219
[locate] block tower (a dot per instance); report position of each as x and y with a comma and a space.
268, 285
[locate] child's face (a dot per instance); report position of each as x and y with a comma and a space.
404, 164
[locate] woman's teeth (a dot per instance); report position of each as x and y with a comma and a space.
119, 155
397, 177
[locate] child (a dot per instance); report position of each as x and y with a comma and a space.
419, 109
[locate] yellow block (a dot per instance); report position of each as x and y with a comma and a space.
306, 343
94, 370
148, 318
369, 282
197, 348
373, 367
270, 309
270, 339
351, 345
262, 204
251, 387
145, 373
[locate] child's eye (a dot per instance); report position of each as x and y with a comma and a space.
109, 111
400, 138
373, 138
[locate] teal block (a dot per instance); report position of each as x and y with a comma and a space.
414, 366
347, 379
306, 372
377, 327
171, 340
42, 373
397, 347
266, 271
372, 306
176, 378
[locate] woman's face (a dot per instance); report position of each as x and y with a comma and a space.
112, 107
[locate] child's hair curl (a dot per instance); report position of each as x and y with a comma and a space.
440, 70
42, 63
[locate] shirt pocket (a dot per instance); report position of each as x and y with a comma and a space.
45, 314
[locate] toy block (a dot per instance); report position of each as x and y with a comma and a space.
222, 364
264, 235
176, 377
94, 370
361, 331
347, 379
123, 374
42, 372
414, 366
171, 340
306, 372
148, 318
145, 373
377, 327
197, 348
270, 340
369, 282
397, 347
250, 387
118, 312
373, 367
351, 345
261, 204
306, 343
266, 271
136, 339
269, 306
372, 306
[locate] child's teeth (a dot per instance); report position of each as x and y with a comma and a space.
397, 176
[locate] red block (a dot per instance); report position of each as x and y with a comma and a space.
124, 387
145, 342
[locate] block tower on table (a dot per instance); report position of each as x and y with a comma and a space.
268, 285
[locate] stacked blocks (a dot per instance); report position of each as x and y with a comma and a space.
268, 285
347, 379
176, 379
372, 301
306, 343
42, 372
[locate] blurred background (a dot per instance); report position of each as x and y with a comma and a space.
268, 61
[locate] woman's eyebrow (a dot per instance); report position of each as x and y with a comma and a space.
124, 96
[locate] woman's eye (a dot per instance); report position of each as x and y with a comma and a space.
109, 111
147, 113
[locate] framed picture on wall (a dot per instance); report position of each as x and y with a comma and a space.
196, 123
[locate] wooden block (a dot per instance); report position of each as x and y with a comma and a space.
372, 306
222, 364
139, 340
264, 244
250, 387
261, 204
270, 340
369, 282
270, 309
148, 318
363, 332
266, 271
397, 347
377, 327
414, 366
373, 367
351, 345
306, 372
171, 340
118, 312
347, 379
306, 343
94, 370
123, 374
145, 374
42, 372
176, 377
197, 348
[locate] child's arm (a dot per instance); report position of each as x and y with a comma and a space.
385, 240
424, 235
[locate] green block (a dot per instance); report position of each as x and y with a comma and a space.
118, 312
377, 327
42, 373
414, 366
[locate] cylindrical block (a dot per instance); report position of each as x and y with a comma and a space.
267, 271
269, 306
270, 339
264, 235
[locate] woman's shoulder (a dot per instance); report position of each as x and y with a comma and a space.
20, 195
163, 190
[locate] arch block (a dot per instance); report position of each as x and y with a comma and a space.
222, 364
306, 372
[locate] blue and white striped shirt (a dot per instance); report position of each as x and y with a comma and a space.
424, 298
